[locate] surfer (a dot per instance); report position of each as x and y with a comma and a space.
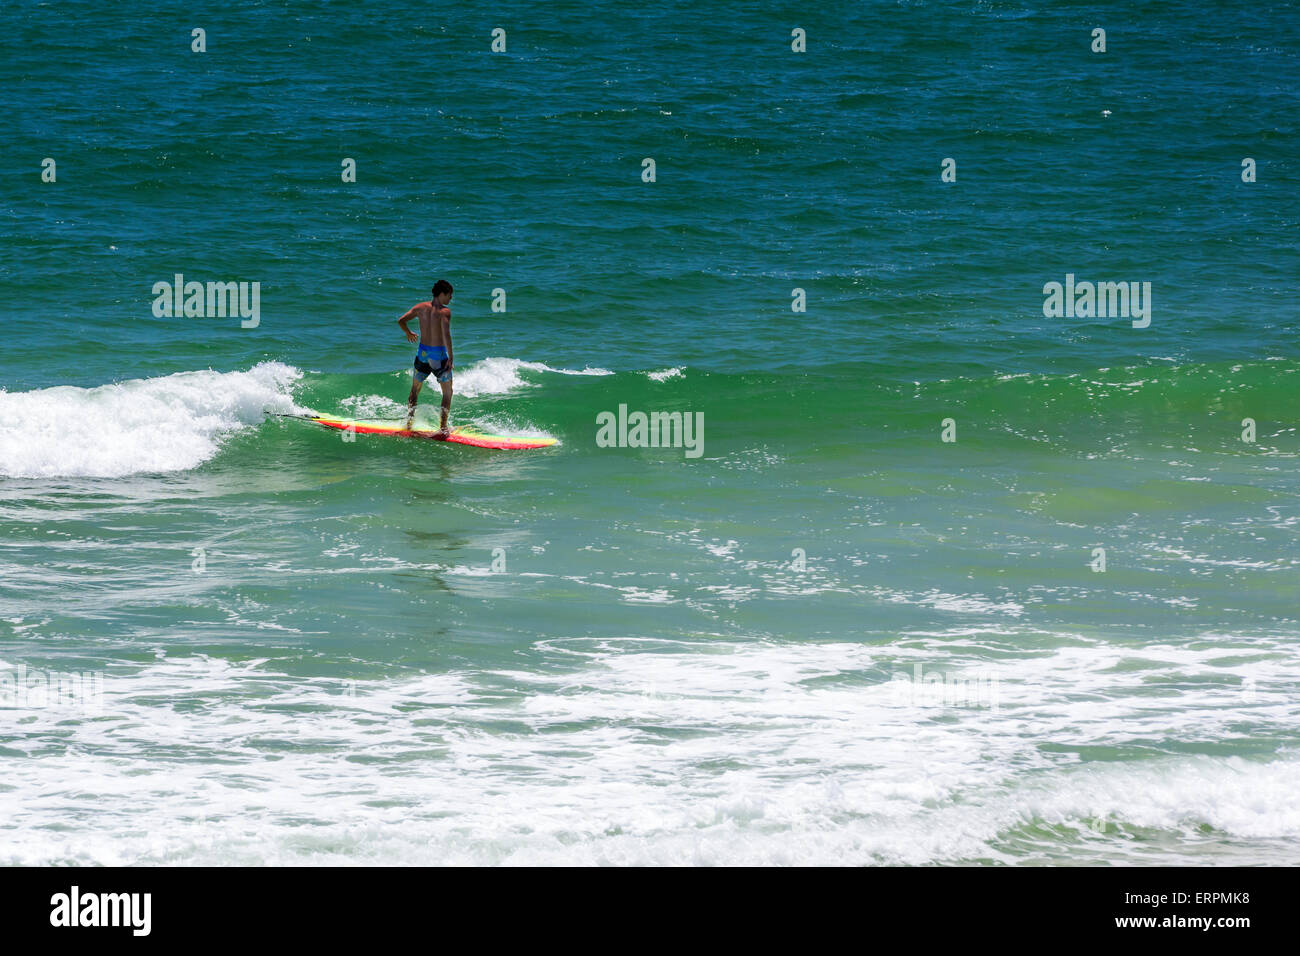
434, 356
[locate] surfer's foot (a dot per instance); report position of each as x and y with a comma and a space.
441, 434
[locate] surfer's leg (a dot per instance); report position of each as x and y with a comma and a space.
446, 408
416, 384
419, 373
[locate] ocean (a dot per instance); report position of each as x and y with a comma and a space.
950, 576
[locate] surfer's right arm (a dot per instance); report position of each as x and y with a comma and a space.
410, 336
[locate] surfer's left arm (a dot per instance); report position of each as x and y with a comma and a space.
446, 335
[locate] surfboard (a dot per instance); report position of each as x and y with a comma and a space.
460, 436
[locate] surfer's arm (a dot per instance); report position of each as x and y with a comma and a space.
446, 336
410, 336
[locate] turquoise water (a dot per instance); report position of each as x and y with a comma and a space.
832, 637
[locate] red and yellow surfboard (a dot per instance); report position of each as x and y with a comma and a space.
461, 436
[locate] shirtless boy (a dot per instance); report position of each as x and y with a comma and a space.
434, 357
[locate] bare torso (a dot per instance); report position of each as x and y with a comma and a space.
431, 315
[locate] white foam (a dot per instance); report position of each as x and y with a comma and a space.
373, 406
503, 425
495, 376
658, 751
664, 374
171, 423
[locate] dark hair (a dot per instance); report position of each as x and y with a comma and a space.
441, 286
